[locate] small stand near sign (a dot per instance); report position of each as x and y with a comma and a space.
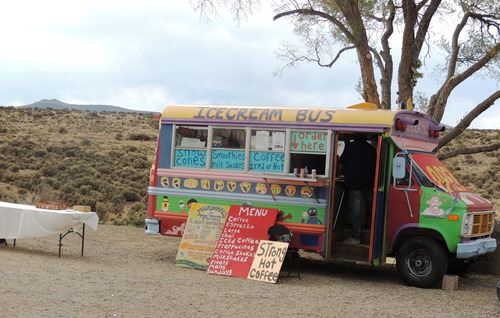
268, 260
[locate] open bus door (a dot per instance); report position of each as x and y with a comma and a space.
379, 208
371, 250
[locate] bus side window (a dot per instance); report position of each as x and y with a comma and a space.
191, 137
308, 148
190, 146
300, 160
228, 138
267, 150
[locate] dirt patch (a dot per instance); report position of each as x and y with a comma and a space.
125, 273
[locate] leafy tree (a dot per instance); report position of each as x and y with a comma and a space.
329, 29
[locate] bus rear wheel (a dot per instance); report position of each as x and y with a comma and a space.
421, 262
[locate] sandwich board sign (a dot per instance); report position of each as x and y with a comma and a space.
245, 228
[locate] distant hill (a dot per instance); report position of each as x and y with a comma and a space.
56, 104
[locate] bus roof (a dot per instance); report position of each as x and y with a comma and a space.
364, 113
408, 128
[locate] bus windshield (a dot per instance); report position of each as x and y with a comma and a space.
422, 177
432, 170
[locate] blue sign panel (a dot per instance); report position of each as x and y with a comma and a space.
228, 159
267, 161
190, 158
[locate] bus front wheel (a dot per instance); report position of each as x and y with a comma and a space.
421, 262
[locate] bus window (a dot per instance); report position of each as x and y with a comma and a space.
191, 137
268, 140
308, 148
190, 146
267, 150
298, 160
424, 180
226, 145
228, 138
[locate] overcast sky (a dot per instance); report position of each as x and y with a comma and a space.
151, 53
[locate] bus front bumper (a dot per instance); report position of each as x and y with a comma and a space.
476, 248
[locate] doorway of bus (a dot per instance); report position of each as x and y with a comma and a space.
371, 217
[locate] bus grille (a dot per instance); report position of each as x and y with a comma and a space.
483, 224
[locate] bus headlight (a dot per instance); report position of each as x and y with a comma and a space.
467, 225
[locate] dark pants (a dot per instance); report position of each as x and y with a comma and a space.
355, 197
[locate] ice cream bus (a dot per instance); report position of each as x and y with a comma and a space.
288, 159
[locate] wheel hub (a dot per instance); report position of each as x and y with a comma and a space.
419, 263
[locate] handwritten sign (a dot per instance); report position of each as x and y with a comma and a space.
190, 158
262, 140
267, 161
203, 228
245, 227
268, 260
228, 159
309, 141
279, 140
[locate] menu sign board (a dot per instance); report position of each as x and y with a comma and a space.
203, 228
245, 227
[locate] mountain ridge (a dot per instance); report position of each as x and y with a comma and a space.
57, 104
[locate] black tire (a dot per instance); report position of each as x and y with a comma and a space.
421, 262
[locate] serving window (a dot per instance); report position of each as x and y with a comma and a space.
228, 148
190, 146
308, 148
251, 149
228, 138
191, 137
267, 150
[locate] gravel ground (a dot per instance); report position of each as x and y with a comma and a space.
125, 273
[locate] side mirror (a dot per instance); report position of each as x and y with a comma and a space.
398, 167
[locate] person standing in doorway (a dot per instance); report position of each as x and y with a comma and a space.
358, 161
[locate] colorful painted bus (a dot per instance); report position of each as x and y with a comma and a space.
288, 159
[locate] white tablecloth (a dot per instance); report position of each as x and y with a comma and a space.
24, 221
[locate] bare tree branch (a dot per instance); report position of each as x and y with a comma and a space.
342, 50
421, 4
413, 41
468, 151
292, 58
240, 9
439, 100
452, 66
387, 66
467, 120
328, 17
423, 24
